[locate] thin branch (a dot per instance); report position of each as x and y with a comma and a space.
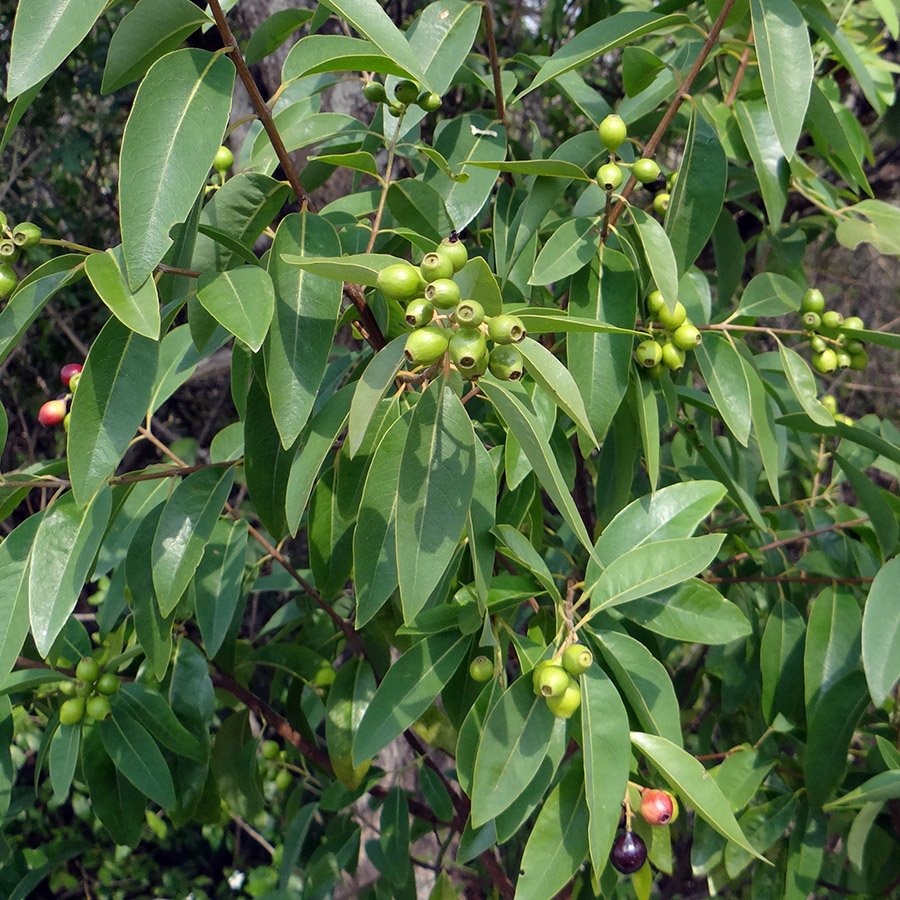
742, 68
785, 579
494, 59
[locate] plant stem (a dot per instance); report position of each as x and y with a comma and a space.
388, 172
494, 59
742, 68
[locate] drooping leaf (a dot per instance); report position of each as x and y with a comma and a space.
659, 254
803, 384
136, 309
881, 634
15, 551
769, 163
242, 300
371, 387
571, 247
724, 374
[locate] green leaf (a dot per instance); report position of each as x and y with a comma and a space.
272, 32
781, 662
639, 70
698, 194
355, 268
371, 387
481, 519
184, 528
723, 371
138, 309
136, 755
763, 420
20, 106
439, 451
176, 126
879, 226
800, 422
234, 765
299, 129
63, 551
770, 294
394, 836
644, 682
514, 741
477, 282
695, 612
769, 164
612, 32
151, 709
24, 681
418, 206
558, 842
548, 168
571, 247
15, 553
348, 699
294, 838
241, 300
692, 782
785, 66
658, 253
881, 634
803, 384
178, 358
877, 789
330, 536
521, 551
882, 338
604, 740
152, 29
407, 690
44, 34
62, 759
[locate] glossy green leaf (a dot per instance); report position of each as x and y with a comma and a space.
369, 390
800, 422
234, 764
549, 168
769, 164
723, 371
355, 268
519, 549
763, 421
273, 31
418, 206
873, 500
394, 836
330, 536
878, 226
514, 741
880, 787
477, 282
881, 634
803, 384
176, 126
770, 294
881, 338
63, 551
571, 247
547, 320
763, 825
645, 408
299, 129
138, 309
152, 29
15, 553
407, 690
348, 699
781, 662
184, 528
242, 301
151, 709
63, 758
294, 838
439, 451
659, 254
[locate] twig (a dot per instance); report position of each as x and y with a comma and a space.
494, 61
252, 832
742, 68
785, 579
388, 172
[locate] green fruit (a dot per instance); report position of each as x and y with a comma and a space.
436, 265
400, 281
656, 371
466, 347
552, 681
855, 347
564, 706
612, 132
443, 293
26, 235
811, 321
505, 362
98, 707
648, 353
469, 314
419, 313
577, 658
455, 250
672, 357
655, 302
686, 336
406, 91
67, 419
8, 280
536, 674
853, 323
825, 362
506, 329
396, 109
844, 420
9, 252
830, 403
858, 361
429, 101
67, 688
609, 176
223, 160
87, 670
661, 203
813, 301
374, 92
426, 345
831, 320
671, 319
645, 170
72, 711
478, 369
481, 669
671, 179
269, 750
283, 780
817, 344
73, 382
843, 359
107, 683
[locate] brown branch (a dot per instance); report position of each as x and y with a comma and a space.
683, 90
488, 19
742, 68
786, 579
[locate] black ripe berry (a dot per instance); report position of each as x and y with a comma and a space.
628, 853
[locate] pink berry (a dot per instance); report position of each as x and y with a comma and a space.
52, 412
68, 370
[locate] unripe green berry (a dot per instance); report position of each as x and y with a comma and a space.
9, 252
672, 357
655, 303
98, 707
8, 280
223, 160
269, 750
829, 402
661, 203
396, 109
813, 301
72, 711
612, 132
469, 314
565, 705
429, 101
831, 320
477, 370
671, 319
506, 329
67, 420
26, 235
825, 362
536, 674
609, 176
73, 382
455, 250
442, 293
552, 681
466, 347
283, 780
87, 670
419, 313
436, 265
645, 170
66, 688
854, 347
107, 683
426, 345
400, 281
671, 178
811, 321
481, 669
576, 659
505, 362
406, 91
843, 359
817, 344
648, 353
853, 323
686, 336
858, 361
374, 92
844, 420
656, 371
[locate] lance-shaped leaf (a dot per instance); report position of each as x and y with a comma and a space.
724, 374
769, 163
185, 526
348, 699
136, 309
658, 253
63, 758
770, 294
571, 247
881, 633
63, 551
371, 387
272, 32
241, 300
438, 469
803, 384
112, 398
176, 125
14, 561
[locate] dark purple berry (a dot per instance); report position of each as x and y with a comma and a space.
628, 853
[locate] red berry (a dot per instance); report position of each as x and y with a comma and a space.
68, 370
657, 807
52, 412
628, 853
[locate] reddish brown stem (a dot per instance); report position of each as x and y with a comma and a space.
742, 69
494, 60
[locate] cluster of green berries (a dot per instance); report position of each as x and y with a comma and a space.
273, 758
670, 351
55, 411
831, 349
611, 174
88, 695
406, 93
14, 240
556, 680
445, 323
